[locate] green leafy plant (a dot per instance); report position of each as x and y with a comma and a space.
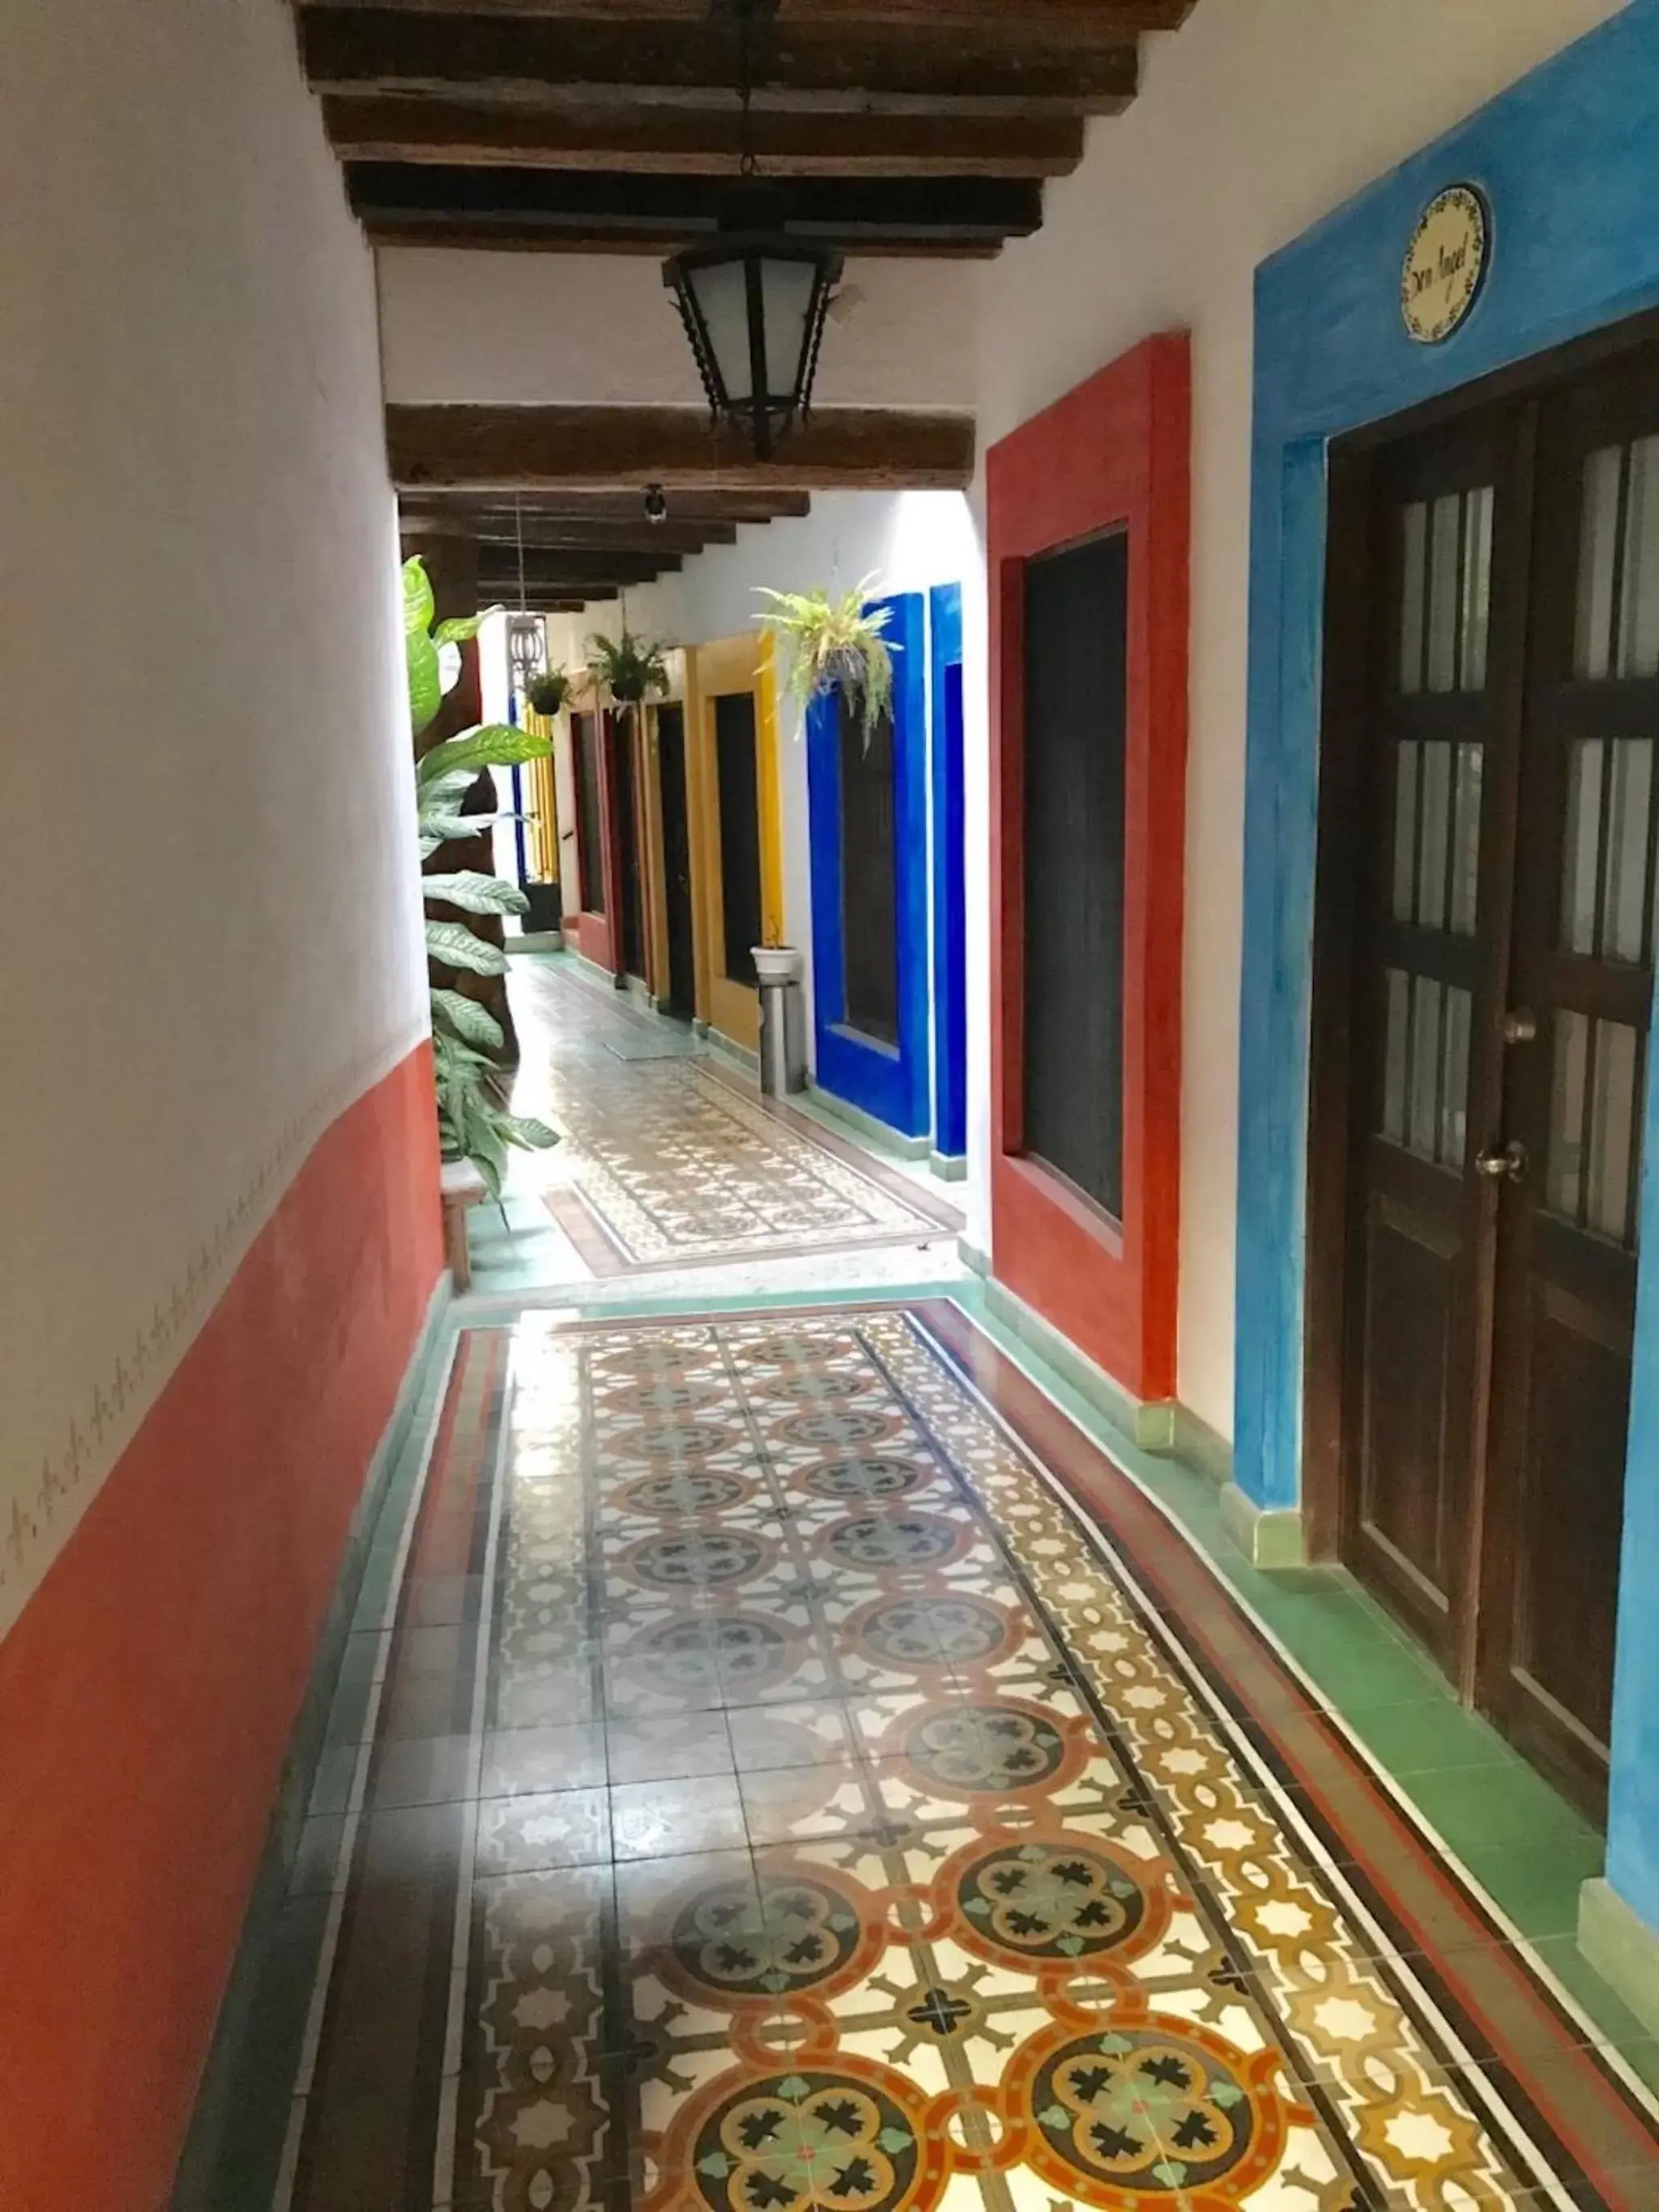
836, 645
547, 691
630, 668
472, 1122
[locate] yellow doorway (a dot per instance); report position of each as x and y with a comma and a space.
737, 837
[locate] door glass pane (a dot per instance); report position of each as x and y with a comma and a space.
1423, 1105
1436, 836
1445, 531
1638, 613
1415, 566
1477, 586
1624, 894
1565, 1167
1406, 759
1619, 562
1454, 1082
1598, 549
1398, 990
1607, 1181
1466, 847
1584, 845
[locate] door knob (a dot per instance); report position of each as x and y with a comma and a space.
1508, 1166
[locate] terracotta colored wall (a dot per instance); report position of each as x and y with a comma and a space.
148, 1691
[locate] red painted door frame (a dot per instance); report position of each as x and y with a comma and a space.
599, 936
1113, 453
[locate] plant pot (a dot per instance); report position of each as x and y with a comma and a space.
777, 963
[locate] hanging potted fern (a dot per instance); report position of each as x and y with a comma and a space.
836, 645
547, 690
630, 669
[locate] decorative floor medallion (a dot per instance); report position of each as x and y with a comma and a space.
781, 1800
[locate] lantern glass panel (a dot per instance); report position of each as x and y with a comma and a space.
786, 287
719, 288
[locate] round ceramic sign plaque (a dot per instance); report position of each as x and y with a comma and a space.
1445, 263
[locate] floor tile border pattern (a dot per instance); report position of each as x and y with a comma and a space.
466, 1435
1368, 1852
888, 1207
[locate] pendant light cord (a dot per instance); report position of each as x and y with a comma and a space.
747, 165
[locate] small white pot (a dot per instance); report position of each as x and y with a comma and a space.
778, 964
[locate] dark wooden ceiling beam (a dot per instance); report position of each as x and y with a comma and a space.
1113, 21
583, 208
999, 68
569, 572
553, 448
642, 538
479, 514
691, 141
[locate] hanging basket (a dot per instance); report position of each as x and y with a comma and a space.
836, 645
546, 692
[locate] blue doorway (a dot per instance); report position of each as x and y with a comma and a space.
867, 798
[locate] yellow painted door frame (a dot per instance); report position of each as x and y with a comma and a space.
729, 666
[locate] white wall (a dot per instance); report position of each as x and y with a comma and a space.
1255, 119
513, 330
902, 541
211, 904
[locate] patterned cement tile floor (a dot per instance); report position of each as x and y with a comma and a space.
772, 1793
670, 1161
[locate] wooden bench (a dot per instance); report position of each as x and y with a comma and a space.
462, 1187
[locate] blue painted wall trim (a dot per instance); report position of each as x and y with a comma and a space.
1568, 160
892, 1086
949, 879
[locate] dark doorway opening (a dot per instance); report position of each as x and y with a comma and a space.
630, 877
1076, 727
680, 996
869, 876
738, 775
589, 844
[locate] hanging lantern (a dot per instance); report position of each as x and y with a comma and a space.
526, 649
753, 303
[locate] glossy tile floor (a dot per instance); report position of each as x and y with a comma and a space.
671, 1162
789, 1768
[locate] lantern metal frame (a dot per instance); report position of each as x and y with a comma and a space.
746, 245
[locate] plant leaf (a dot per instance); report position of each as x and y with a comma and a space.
475, 893
524, 1131
490, 744
419, 606
465, 1018
455, 945
460, 629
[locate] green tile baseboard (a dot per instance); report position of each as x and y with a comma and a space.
948, 1167
1267, 1539
866, 1125
197, 2182
1621, 1948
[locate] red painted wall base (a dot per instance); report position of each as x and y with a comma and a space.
148, 1692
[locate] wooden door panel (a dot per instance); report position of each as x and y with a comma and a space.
1570, 1510
1413, 1472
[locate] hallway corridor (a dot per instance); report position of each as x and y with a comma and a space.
781, 1765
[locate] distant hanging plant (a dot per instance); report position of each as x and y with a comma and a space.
630, 668
547, 691
836, 645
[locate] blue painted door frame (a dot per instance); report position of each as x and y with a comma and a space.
1567, 159
890, 1083
949, 883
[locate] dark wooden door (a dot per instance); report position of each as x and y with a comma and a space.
680, 996
625, 829
737, 771
1580, 995
1504, 839
869, 875
590, 846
